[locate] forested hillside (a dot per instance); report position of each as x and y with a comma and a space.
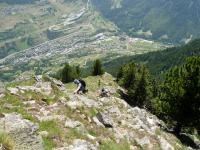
158, 61
171, 20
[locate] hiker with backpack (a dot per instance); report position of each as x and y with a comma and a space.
81, 86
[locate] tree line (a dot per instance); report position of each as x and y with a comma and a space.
175, 99
68, 73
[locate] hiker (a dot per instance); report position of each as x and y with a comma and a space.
81, 86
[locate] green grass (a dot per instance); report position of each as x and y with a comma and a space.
51, 127
74, 134
21, 83
22, 44
17, 106
53, 130
48, 144
110, 145
6, 141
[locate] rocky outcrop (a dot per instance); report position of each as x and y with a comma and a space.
92, 119
22, 131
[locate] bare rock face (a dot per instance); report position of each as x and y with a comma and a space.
22, 131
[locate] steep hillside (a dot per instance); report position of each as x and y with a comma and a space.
157, 62
80, 35
42, 113
165, 20
26, 23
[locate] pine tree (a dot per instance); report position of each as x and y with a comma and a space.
120, 73
97, 68
181, 93
142, 94
134, 78
68, 73
78, 71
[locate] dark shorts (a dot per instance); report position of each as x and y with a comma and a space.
82, 89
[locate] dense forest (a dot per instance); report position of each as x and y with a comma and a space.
159, 61
175, 99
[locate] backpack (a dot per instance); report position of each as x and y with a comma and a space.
82, 82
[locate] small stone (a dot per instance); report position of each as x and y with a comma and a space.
44, 133
72, 124
13, 90
89, 119
2, 95
29, 102
91, 137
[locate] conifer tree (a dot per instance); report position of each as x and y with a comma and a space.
97, 68
142, 94
181, 94
66, 73
69, 73
78, 71
134, 78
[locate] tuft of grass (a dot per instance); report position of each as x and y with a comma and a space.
6, 142
48, 144
110, 145
22, 83
17, 106
91, 112
53, 129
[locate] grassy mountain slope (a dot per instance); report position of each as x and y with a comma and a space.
158, 61
59, 119
165, 20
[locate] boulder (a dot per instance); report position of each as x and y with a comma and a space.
44, 87
105, 119
89, 102
22, 131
